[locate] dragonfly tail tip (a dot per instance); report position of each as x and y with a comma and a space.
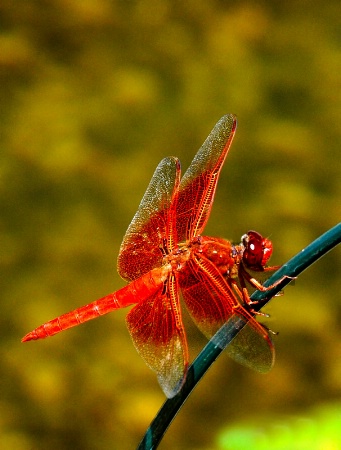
29, 337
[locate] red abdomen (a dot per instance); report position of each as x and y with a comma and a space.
137, 290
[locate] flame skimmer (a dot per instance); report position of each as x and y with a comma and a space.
163, 252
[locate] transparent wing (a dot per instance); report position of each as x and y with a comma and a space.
198, 185
249, 348
153, 224
157, 331
211, 302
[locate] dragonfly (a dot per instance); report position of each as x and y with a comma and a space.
164, 253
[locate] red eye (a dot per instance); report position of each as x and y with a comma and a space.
257, 250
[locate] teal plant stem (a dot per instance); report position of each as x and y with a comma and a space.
294, 267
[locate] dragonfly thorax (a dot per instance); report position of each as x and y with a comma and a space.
177, 259
222, 254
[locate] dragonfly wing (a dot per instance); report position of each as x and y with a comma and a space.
211, 303
198, 185
149, 230
156, 327
249, 347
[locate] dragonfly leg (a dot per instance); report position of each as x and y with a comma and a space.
245, 299
255, 283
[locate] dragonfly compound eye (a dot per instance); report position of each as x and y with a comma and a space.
257, 250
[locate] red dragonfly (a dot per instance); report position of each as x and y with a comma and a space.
163, 252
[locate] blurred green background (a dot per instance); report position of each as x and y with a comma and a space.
93, 94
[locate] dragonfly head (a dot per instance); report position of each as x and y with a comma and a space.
257, 250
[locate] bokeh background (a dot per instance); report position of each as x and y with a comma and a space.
93, 94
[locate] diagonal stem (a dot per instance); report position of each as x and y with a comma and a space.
294, 267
